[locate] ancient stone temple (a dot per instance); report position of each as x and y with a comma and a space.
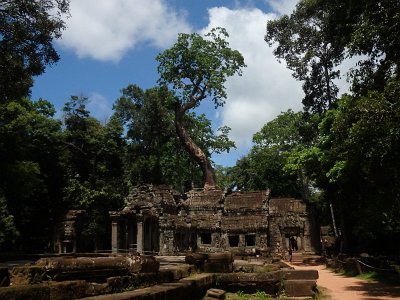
159, 220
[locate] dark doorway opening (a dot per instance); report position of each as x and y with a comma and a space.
206, 238
250, 239
233, 240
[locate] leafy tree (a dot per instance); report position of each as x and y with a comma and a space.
94, 161
155, 153
149, 126
319, 34
351, 158
8, 232
370, 29
241, 175
31, 173
263, 166
27, 29
197, 68
362, 164
303, 41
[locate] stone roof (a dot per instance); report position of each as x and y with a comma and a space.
286, 205
244, 202
147, 196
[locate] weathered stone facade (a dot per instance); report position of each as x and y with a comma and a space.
67, 232
159, 220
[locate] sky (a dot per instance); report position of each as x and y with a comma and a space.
110, 44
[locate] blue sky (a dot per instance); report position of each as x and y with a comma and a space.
110, 44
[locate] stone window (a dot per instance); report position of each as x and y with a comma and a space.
206, 238
233, 241
250, 239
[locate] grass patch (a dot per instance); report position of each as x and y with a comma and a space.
383, 277
321, 294
261, 295
240, 295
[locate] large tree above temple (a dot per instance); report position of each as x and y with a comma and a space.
195, 68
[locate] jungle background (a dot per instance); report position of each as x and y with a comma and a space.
340, 152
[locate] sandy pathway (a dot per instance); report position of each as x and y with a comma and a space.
349, 288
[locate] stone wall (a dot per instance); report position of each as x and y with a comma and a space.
210, 221
291, 218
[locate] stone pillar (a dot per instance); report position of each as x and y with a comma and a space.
139, 237
114, 236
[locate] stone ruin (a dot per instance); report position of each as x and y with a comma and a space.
67, 238
161, 221
229, 240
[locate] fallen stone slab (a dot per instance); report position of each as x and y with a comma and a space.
196, 259
300, 288
95, 268
242, 266
250, 282
220, 257
27, 274
45, 291
193, 287
299, 274
218, 267
215, 294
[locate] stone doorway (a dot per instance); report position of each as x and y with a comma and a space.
151, 236
186, 240
292, 233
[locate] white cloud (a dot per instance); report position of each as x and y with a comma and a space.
266, 87
105, 30
282, 7
99, 107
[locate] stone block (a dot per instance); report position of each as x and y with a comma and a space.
23, 292
220, 257
67, 290
216, 267
300, 288
299, 274
147, 264
254, 268
96, 268
200, 281
195, 258
180, 272
215, 294
249, 282
28, 274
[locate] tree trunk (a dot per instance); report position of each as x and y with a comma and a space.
195, 152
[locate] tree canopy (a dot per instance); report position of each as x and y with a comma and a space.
350, 159
195, 68
27, 30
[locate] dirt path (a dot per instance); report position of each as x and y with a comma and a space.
340, 287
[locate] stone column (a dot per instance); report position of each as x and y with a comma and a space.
114, 236
139, 236
114, 231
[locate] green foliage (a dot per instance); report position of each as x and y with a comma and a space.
264, 165
154, 153
8, 232
31, 167
302, 41
27, 29
196, 67
95, 170
351, 156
